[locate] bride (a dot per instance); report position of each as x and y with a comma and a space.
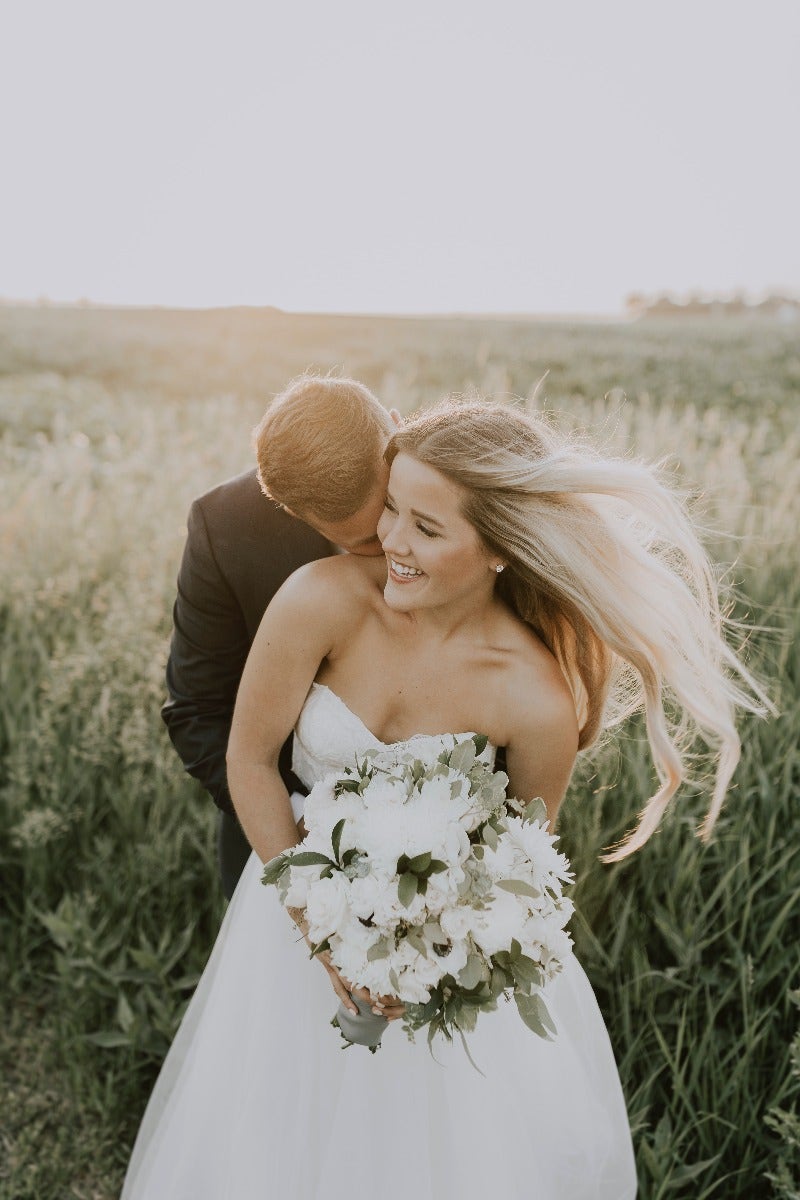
529, 591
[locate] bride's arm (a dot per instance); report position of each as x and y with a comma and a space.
297, 632
542, 745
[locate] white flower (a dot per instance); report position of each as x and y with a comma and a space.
327, 908
494, 929
349, 951
300, 879
457, 922
531, 841
364, 895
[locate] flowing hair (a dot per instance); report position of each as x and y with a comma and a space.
604, 563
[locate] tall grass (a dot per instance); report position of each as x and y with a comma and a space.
110, 424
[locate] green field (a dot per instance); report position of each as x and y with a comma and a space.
111, 422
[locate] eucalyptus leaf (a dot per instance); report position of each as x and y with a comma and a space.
310, 858
527, 971
379, 950
533, 1011
420, 862
536, 811
467, 1018
436, 866
471, 973
413, 938
489, 835
407, 888
518, 887
462, 756
336, 837
274, 869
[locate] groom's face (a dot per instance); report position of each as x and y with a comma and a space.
358, 534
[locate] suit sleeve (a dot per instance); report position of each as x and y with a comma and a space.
207, 654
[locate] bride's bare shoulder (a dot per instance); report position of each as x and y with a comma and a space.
535, 691
342, 584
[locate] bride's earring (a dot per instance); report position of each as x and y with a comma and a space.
499, 567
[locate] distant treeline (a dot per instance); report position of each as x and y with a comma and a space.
775, 306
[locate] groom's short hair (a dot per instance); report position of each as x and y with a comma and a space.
319, 446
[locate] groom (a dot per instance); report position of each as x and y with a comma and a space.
319, 486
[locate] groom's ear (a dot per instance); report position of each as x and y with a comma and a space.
395, 415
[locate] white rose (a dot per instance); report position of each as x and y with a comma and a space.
349, 950
299, 882
364, 893
327, 907
457, 922
504, 920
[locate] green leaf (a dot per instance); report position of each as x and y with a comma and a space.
336, 837
467, 1018
436, 866
107, 1039
462, 756
536, 811
347, 785
527, 971
413, 938
320, 947
379, 950
407, 888
274, 869
402, 864
420, 863
489, 836
348, 856
689, 1171
310, 858
518, 887
478, 851
500, 980
533, 1011
125, 1017
394, 981
471, 973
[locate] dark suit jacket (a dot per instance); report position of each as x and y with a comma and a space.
239, 550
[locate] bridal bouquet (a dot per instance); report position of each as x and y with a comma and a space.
425, 882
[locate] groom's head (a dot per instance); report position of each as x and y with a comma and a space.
320, 455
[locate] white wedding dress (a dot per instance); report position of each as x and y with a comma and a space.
258, 1098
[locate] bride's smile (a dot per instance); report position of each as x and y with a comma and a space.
433, 553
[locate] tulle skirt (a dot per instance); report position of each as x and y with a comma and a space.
258, 1098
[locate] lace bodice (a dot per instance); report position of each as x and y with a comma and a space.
328, 736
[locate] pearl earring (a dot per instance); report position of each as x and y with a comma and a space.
499, 567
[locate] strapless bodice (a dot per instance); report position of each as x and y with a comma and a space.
329, 736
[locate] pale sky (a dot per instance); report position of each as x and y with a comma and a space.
429, 156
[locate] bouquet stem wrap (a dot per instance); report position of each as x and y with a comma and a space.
366, 1029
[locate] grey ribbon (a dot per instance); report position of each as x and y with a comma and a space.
366, 1029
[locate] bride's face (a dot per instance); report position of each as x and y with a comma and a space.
434, 555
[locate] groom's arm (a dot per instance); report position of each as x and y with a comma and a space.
209, 647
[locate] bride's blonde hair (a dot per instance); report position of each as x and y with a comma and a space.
604, 563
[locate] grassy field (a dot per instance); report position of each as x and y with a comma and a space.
111, 421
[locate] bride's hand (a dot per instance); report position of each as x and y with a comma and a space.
386, 1006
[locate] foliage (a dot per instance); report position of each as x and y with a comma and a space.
110, 422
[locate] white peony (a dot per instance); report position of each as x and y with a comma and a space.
494, 928
327, 907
